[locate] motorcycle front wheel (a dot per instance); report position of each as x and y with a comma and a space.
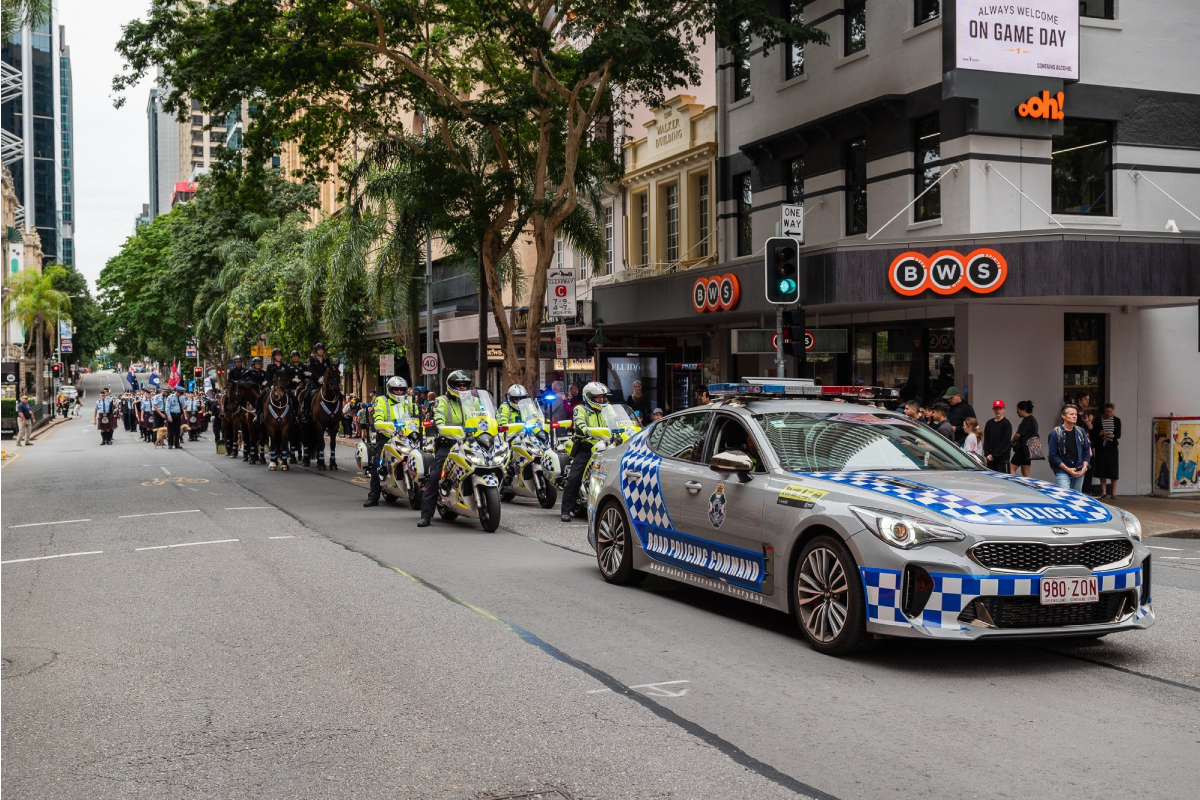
414, 495
547, 493
489, 509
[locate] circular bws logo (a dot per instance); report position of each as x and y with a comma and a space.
729, 292
946, 272
700, 295
909, 274
986, 270
713, 302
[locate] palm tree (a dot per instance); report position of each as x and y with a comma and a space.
21, 13
34, 301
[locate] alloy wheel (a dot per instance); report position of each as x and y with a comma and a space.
822, 594
610, 540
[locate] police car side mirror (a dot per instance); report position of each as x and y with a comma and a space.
978, 459
729, 462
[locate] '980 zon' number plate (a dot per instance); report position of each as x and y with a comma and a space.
1069, 590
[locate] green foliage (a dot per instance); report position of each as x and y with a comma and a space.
16, 14
86, 315
137, 295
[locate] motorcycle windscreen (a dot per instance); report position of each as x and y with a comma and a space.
618, 418
479, 411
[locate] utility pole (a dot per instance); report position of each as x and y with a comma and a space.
779, 341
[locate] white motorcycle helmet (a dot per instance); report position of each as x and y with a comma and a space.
397, 388
516, 393
595, 395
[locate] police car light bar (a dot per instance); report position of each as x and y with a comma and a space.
765, 391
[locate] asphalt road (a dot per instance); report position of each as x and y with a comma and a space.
361, 656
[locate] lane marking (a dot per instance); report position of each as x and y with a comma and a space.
11, 458
248, 508
184, 544
653, 689
165, 470
38, 524
45, 558
281, 537
1181, 558
159, 513
1156, 547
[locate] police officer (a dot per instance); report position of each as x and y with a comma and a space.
256, 374
276, 366
159, 404
586, 415
105, 417
446, 411
147, 417
393, 404
191, 407
295, 373
509, 413
174, 409
236, 371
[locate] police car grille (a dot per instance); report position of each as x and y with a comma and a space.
1028, 612
1033, 557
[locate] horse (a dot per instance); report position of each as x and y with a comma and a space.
248, 421
279, 419
231, 419
325, 417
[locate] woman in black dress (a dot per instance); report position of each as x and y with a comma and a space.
1106, 433
1026, 430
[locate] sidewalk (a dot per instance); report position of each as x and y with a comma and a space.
1163, 516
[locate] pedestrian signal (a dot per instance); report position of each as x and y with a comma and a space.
793, 332
783, 271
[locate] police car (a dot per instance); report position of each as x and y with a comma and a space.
861, 523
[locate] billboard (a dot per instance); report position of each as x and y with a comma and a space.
1039, 37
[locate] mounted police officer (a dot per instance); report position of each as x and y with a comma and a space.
446, 411
587, 414
236, 371
276, 366
393, 404
256, 374
295, 373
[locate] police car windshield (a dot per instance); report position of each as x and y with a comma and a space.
858, 441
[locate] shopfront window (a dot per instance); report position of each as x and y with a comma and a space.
1083, 359
1080, 167
928, 153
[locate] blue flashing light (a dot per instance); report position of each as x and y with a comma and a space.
550, 397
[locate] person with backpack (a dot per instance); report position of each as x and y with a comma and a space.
1069, 450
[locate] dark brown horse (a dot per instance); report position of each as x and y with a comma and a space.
325, 417
249, 423
279, 419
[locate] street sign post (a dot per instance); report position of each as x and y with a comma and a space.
429, 364
387, 364
560, 294
792, 221
561, 342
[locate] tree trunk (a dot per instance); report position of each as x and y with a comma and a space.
481, 356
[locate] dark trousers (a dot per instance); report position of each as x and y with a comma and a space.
581, 454
999, 466
373, 454
174, 425
429, 498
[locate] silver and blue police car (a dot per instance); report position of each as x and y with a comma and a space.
861, 523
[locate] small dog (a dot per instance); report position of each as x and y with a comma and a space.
160, 437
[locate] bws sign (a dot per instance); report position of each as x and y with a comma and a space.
715, 293
947, 271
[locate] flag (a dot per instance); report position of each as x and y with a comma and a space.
173, 381
132, 379
154, 379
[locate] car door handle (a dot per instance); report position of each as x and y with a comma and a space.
632, 475
693, 486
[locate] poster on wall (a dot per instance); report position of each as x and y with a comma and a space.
1037, 37
1176, 456
633, 379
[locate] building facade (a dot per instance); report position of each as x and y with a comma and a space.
182, 150
1014, 218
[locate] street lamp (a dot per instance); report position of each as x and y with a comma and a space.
58, 334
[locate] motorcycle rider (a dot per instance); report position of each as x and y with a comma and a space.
446, 411
388, 407
586, 415
509, 413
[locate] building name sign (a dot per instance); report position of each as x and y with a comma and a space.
1044, 107
983, 271
715, 293
1033, 37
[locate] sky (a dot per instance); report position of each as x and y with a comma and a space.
112, 172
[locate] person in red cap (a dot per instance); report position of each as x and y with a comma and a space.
997, 439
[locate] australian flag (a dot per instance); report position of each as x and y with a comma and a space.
132, 379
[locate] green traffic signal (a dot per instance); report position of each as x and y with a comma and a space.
787, 286
782, 264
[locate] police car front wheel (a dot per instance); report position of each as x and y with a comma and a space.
614, 546
828, 598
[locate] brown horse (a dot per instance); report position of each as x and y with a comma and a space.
279, 417
325, 417
249, 424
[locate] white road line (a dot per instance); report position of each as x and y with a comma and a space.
184, 544
1181, 558
59, 522
165, 470
653, 689
1156, 547
281, 537
159, 513
60, 555
248, 508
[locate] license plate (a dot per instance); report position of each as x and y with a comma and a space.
1054, 591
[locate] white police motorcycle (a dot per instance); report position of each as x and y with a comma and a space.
533, 465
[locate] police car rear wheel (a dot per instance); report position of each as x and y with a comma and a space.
614, 550
828, 599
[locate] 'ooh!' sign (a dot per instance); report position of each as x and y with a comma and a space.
947, 271
715, 293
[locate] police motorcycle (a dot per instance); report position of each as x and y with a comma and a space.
533, 464
474, 469
402, 463
619, 427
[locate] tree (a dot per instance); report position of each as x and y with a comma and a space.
86, 315
34, 302
531, 79
18, 14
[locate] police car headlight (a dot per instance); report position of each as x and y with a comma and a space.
905, 532
1132, 526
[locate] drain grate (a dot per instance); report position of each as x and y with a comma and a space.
537, 794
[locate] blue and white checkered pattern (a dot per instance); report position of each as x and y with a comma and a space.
643, 495
1093, 510
952, 592
936, 500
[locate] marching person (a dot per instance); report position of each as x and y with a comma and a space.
147, 417
586, 415
389, 407
191, 407
174, 409
447, 410
104, 417
159, 403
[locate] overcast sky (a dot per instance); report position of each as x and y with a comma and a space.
112, 173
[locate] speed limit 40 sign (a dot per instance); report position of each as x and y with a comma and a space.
429, 364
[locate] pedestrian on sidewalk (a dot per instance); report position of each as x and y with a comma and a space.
941, 422
1023, 441
1069, 450
960, 409
912, 410
974, 441
1087, 422
24, 422
997, 439
1107, 464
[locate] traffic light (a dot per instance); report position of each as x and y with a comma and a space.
783, 271
197, 371
793, 332
57, 370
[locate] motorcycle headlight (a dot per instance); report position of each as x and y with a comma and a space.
1132, 525
903, 531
